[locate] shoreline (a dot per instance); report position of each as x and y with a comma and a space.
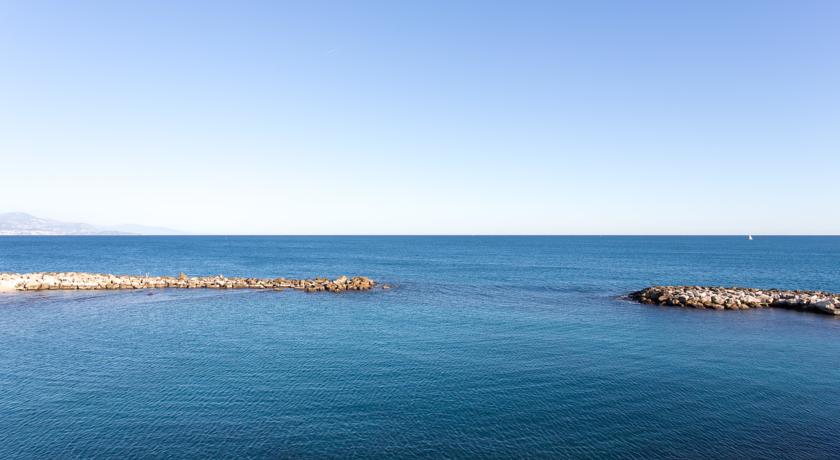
737, 298
50, 281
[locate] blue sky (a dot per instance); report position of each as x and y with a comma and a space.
424, 117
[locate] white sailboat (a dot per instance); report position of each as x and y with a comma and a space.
749, 237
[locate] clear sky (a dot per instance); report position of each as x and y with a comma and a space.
589, 117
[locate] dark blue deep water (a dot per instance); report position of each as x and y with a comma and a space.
486, 347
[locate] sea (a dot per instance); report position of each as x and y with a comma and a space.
484, 347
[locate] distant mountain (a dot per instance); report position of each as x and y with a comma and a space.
19, 223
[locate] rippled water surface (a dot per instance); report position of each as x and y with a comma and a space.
487, 346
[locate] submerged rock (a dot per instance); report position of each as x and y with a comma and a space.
735, 298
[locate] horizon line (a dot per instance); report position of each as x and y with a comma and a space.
740, 235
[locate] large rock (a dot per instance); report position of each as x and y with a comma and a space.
91, 281
720, 298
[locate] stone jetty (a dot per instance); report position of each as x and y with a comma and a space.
735, 298
95, 281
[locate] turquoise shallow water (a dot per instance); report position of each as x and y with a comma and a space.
486, 347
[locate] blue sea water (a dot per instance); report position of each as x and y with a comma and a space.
490, 347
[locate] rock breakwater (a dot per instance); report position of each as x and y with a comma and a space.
735, 298
95, 281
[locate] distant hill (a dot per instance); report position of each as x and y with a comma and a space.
19, 223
